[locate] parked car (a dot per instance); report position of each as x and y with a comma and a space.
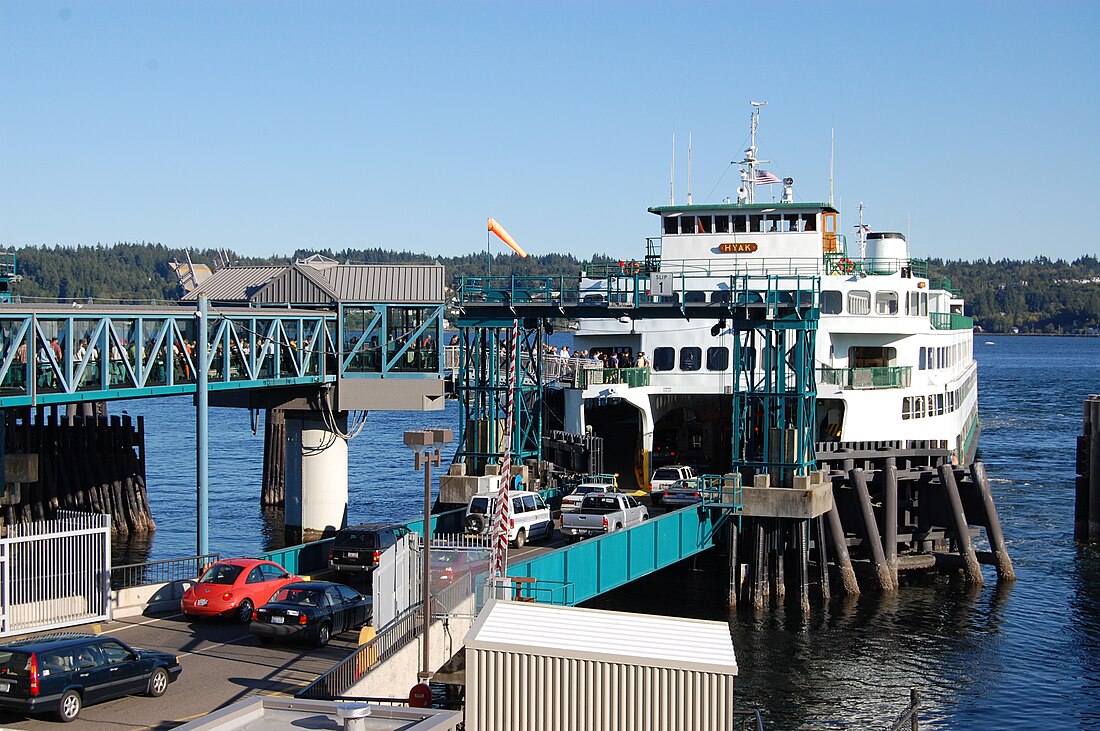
530, 517
357, 548
682, 493
234, 587
603, 512
451, 564
60, 674
665, 477
311, 611
597, 483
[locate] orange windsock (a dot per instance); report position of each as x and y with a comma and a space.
505, 237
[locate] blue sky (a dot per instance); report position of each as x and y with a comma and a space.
263, 127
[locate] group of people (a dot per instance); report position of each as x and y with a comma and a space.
614, 358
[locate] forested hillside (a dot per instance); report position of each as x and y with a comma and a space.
1040, 295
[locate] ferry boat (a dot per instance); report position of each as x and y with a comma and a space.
893, 354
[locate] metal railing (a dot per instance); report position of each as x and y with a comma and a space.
951, 321
53, 573
721, 491
633, 377
405, 628
748, 721
908, 717
530, 589
160, 572
865, 378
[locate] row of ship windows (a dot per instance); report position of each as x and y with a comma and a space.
741, 223
944, 356
691, 358
885, 303
937, 404
832, 302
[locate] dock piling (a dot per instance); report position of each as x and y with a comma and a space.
972, 571
858, 479
1001, 560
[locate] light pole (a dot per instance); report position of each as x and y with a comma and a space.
425, 444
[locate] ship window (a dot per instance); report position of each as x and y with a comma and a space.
870, 356
771, 224
923, 363
809, 222
832, 302
691, 358
756, 224
718, 359
886, 303
721, 224
695, 296
859, 302
739, 224
704, 225
906, 405
790, 222
664, 359
687, 224
918, 407
721, 295
672, 224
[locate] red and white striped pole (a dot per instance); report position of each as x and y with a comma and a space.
503, 518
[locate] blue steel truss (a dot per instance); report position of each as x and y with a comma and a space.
53, 355
482, 385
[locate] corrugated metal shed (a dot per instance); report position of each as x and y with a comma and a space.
399, 283
534, 666
324, 282
234, 284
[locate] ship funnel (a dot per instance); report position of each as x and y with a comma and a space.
887, 252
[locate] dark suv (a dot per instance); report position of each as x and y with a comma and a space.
60, 674
358, 547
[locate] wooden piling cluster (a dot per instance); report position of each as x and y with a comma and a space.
273, 490
884, 520
1087, 508
91, 463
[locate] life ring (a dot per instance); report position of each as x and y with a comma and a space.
635, 267
846, 266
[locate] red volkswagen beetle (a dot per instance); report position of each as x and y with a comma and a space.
234, 587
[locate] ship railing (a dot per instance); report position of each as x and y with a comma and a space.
866, 378
596, 375
160, 572
738, 266
951, 321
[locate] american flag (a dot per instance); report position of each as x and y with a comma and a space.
764, 177
502, 520
865, 229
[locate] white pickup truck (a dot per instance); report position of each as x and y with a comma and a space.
600, 513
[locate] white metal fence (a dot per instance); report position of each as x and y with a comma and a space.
55, 573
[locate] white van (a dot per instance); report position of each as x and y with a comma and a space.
530, 517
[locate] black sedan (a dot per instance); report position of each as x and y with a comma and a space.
311, 611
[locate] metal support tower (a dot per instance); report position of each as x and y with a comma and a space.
775, 397
481, 384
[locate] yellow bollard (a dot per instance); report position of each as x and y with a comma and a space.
366, 660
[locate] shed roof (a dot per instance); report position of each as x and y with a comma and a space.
637, 639
311, 281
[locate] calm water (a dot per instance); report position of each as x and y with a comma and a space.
1023, 656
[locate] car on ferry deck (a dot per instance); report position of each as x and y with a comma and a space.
681, 494
311, 611
234, 587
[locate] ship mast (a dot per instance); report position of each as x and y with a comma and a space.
862, 235
747, 194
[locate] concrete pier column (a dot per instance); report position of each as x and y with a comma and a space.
871, 534
997, 545
316, 476
972, 571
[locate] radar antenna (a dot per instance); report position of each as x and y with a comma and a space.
748, 174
